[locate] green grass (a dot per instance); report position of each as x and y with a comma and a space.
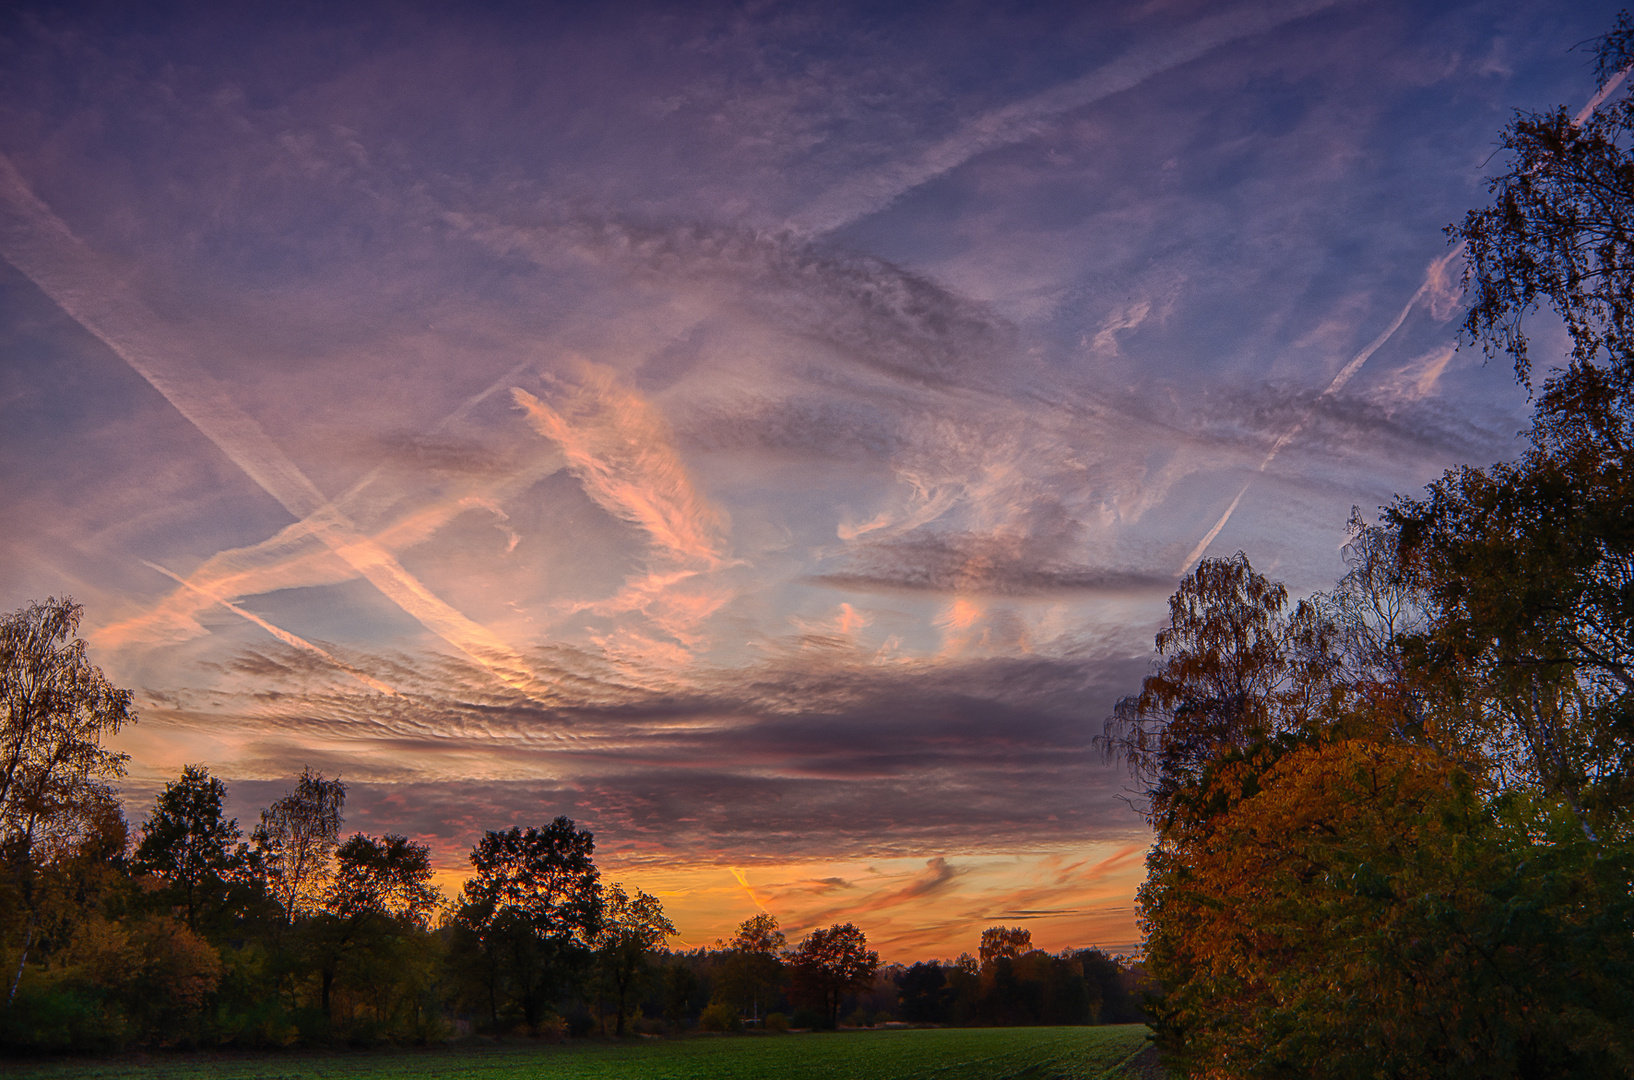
1068, 1053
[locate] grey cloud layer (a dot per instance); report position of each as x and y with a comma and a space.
812, 756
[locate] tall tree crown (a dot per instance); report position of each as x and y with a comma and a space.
296, 840
56, 707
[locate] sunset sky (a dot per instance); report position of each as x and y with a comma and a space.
765, 433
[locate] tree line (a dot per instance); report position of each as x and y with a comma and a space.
1395, 819
751, 981
191, 932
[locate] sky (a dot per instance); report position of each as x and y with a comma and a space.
766, 433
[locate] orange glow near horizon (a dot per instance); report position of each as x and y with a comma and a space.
1075, 899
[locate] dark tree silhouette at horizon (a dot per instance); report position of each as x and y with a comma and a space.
828, 964
532, 913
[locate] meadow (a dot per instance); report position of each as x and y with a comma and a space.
1064, 1053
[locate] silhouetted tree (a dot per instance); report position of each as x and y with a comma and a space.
381, 891
680, 986
1004, 941
925, 993
296, 841
1108, 982
750, 970
1560, 231
828, 964
631, 928
187, 842
1236, 670
532, 913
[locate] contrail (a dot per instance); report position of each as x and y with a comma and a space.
1431, 277
246, 580
743, 879
1021, 120
281, 634
41, 246
1600, 98
351, 494
1208, 537
295, 557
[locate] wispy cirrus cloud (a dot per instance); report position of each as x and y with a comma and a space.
804, 406
621, 450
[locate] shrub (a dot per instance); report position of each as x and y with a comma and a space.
720, 1017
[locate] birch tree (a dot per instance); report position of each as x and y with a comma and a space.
56, 707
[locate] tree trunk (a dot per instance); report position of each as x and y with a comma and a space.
493, 999
530, 1009
28, 940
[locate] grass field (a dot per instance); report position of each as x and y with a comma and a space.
1069, 1053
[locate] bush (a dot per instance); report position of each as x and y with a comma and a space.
777, 1022
720, 1017
55, 1020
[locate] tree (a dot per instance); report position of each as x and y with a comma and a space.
1004, 941
1109, 984
1531, 630
1529, 565
631, 928
751, 971
828, 964
532, 913
55, 709
1365, 631
924, 993
1021, 985
1560, 231
296, 842
1356, 910
1236, 671
680, 984
380, 890
187, 842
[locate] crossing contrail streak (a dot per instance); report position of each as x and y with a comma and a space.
1208, 537
258, 567
351, 494
1432, 277
292, 640
1600, 97
743, 880
1021, 120
41, 246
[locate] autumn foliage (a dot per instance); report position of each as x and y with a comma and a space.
1396, 820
